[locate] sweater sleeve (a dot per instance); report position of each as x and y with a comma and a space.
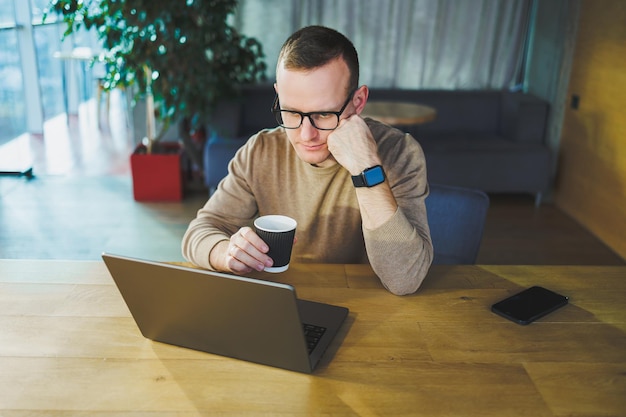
400, 251
231, 207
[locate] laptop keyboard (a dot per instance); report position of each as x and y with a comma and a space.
313, 334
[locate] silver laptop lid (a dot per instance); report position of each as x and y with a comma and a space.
233, 316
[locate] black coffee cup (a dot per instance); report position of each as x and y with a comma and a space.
278, 232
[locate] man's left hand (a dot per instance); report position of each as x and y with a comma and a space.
353, 146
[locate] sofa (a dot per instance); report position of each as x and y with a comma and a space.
231, 125
489, 140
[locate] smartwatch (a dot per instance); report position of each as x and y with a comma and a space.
370, 177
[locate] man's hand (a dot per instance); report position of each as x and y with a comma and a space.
353, 146
243, 253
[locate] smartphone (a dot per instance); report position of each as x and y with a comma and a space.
529, 305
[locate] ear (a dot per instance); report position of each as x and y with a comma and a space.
276, 88
360, 98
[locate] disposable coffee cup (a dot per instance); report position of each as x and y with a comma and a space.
278, 232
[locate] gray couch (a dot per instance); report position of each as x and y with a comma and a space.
490, 140
232, 124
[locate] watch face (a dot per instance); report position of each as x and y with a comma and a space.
374, 176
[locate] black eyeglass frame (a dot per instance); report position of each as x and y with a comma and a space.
276, 110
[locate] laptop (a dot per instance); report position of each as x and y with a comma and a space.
238, 317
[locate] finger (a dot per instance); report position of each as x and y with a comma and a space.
253, 239
233, 262
247, 251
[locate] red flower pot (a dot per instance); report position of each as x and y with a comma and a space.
157, 176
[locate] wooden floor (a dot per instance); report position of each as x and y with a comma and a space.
80, 204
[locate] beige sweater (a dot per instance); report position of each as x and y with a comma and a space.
267, 177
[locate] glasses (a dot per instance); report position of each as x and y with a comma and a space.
322, 120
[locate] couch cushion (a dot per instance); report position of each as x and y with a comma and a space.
489, 164
256, 108
524, 117
464, 142
469, 111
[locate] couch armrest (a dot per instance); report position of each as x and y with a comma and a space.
524, 117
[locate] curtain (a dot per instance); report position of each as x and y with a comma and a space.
421, 44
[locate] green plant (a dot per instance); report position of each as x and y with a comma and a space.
184, 52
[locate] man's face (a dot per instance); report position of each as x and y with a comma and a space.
321, 89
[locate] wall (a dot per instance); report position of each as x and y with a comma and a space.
591, 178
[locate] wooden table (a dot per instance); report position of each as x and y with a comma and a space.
68, 346
399, 113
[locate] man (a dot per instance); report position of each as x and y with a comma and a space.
356, 187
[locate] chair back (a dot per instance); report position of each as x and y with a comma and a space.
217, 155
456, 217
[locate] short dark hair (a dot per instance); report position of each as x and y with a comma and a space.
314, 46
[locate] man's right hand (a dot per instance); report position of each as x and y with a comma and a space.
243, 253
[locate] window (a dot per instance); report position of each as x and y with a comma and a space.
12, 107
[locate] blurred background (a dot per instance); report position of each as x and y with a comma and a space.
571, 53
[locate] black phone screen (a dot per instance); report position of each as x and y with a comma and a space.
529, 305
